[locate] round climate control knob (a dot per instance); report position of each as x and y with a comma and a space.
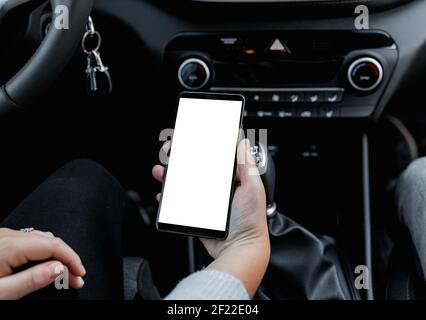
365, 74
193, 74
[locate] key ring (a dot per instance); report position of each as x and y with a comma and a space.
86, 37
91, 32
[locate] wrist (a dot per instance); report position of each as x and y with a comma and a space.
247, 261
254, 247
258, 249
255, 242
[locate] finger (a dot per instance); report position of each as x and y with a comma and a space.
158, 197
19, 233
164, 152
158, 172
247, 169
166, 146
76, 282
23, 283
237, 175
36, 248
43, 234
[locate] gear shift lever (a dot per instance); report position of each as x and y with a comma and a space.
307, 263
266, 165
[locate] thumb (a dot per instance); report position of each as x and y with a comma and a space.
247, 169
35, 278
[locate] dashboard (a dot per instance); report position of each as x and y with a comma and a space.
289, 59
287, 74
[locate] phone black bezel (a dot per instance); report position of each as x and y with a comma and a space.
193, 231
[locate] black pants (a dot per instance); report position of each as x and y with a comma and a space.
86, 207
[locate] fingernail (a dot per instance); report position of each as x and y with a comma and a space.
84, 270
56, 269
80, 281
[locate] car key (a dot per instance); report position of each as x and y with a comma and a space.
92, 83
98, 78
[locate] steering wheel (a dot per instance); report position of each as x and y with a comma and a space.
49, 60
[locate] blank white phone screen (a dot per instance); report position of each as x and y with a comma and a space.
199, 176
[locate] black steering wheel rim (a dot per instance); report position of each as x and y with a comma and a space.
48, 61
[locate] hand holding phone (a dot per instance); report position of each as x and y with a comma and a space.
199, 180
248, 210
245, 252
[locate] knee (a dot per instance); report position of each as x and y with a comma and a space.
414, 177
81, 196
84, 168
87, 173
411, 191
85, 181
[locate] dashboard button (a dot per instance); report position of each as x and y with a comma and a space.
260, 97
333, 96
264, 114
329, 112
294, 97
286, 113
276, 97
314, 97
193, 74
268, 113
307, 113
365, 74
256, 97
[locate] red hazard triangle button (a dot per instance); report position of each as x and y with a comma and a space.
279, 46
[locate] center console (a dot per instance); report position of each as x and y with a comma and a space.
323, 208
287, 74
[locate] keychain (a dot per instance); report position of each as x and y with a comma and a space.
98, 78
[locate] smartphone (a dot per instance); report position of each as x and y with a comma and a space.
199, 180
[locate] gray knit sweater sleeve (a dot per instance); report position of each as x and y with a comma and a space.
209, 285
